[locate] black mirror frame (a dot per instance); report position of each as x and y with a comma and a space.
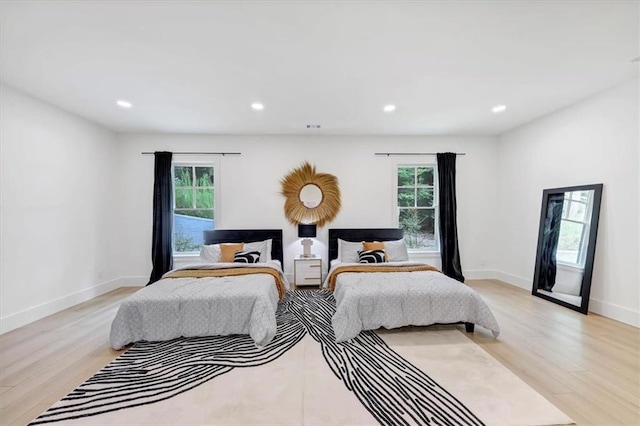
591, 247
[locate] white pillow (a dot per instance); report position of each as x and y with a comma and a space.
396, 251
269, 248
264, 247
348, 251
211, 253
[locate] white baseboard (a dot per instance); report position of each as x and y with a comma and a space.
492, 274
18, 319
34, 313
132, 281
615, 312
514, 280
479, 274
606, 309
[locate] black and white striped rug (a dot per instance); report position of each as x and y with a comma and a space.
390, 388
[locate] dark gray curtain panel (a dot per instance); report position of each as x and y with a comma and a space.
449, 250
161, 248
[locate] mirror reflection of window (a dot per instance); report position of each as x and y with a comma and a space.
574, 228
566, 245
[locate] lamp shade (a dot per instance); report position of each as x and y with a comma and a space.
307, 231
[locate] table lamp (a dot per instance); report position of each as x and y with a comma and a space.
307, 231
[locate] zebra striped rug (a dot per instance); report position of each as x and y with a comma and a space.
153, 380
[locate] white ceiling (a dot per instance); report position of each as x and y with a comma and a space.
196, 66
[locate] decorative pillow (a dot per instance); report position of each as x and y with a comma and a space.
371, 256
348, 251
210, 253
246, 257
375, 245
227, 251
396, 251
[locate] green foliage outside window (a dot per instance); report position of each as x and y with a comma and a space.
416, 208
189, 198
184, 244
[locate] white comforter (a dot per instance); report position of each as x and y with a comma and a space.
367, 301
188, 307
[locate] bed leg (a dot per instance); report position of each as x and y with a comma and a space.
468, 327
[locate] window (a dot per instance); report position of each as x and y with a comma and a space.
193, 206
415, 200
574, 227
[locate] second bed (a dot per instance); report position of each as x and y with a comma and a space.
397, 292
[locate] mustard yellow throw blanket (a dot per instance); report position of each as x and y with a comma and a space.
368, 268
228, 272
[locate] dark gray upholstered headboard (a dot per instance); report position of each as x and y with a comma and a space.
361, 234
247, 236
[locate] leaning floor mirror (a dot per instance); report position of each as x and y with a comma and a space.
566, 245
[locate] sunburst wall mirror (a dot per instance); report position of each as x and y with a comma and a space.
310, 197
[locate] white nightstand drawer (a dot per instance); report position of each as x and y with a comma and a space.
301, 275
307, 271
308, 280
304, 267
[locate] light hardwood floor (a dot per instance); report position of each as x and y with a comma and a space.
588, 366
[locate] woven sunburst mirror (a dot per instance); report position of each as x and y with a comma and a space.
311, 197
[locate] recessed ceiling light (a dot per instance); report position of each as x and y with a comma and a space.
498, 109
389, 108
257, 106
124, 104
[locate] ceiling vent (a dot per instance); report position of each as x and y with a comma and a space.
313, 126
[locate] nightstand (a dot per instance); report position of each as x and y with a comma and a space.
307, 271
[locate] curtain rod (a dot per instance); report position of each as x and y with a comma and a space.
198, 153
412, 153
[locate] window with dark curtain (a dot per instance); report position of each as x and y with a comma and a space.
161, 248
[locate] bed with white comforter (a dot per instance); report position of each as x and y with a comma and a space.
207, 306
370, 300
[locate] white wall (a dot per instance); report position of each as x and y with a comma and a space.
250, 187
56, 209
75, 199
594, 141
